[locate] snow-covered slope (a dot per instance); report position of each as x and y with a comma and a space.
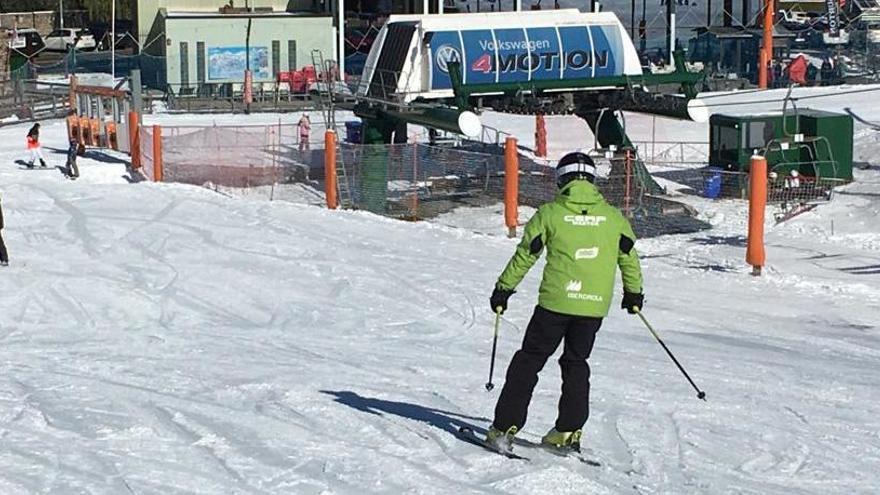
160, 338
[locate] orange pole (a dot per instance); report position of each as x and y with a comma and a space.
330, 169
158, 168
765, 54
134, 140
511, 186
540, 136
755, 254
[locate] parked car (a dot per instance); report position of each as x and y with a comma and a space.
64, 39
26, 41
101, 31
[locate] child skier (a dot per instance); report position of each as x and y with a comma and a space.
586, 239
33, 145
72, 150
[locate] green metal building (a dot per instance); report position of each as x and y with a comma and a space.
815, 143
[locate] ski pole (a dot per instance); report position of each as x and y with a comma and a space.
489, 384
700, 393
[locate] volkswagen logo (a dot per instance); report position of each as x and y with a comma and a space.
446, 54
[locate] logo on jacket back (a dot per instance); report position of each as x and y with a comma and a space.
573, 290
585, 220
586, 253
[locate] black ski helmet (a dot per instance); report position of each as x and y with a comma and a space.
575, 165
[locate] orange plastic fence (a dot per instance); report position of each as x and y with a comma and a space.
330, 169
511, 186
110, 135
94, 132
755, 254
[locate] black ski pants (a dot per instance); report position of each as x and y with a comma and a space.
545, 332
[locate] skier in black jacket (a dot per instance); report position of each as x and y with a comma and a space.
4, 256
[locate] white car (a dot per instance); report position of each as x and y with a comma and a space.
63, 39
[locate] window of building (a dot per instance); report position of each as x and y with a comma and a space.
200, 61
184, 64
291, 55
276, 57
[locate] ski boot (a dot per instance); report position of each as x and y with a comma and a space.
502, 441
563, 441
42, 163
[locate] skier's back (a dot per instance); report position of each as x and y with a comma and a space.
586, 240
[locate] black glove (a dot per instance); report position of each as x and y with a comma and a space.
632, 301
499, 298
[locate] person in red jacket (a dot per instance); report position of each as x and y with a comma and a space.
33, 145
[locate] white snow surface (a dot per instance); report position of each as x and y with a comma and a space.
164, 338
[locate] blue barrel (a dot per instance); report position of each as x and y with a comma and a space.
712, 183
353, 132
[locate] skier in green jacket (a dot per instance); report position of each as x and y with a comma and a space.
586, 239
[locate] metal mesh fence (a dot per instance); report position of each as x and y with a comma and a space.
73, 62
146, 154
242, 156
420, 181
417, 181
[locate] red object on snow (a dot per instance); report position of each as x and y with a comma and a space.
797, 70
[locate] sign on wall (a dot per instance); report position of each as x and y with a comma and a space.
230, 62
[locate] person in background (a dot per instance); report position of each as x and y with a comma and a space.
305, 127
4, 255
33, 145
72, 151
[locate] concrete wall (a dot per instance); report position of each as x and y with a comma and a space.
309, 32
43, 22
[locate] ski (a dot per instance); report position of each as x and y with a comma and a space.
574, 454
468, 435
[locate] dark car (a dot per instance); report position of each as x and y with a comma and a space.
103, 31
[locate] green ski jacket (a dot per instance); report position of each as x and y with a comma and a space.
586, 240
